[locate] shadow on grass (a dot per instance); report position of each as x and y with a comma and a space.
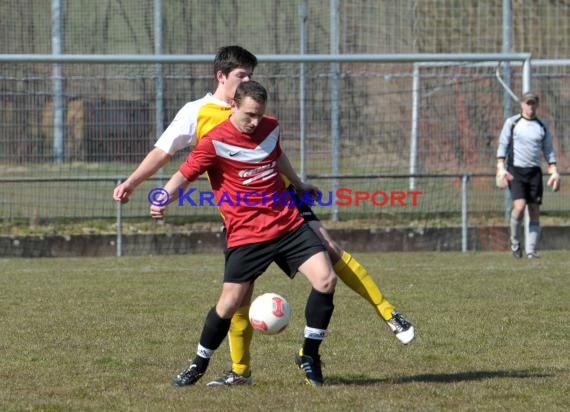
437, 377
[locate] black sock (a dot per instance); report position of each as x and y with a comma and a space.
319, 309
214, 331
311, 347
318, 313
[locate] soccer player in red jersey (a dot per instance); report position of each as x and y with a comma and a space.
243, 155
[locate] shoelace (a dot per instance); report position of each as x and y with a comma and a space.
232, 375
189, 373
402, 322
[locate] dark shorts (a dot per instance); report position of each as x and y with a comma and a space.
246, 263
526, 184
303, 208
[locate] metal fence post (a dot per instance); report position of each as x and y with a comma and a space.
57, 84
335, 105
464, 213
303, 16
414, 132
119, 245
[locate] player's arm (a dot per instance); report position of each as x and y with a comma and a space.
505, 139
502, 177
169, 195
550, 155
153, 161
198, 161
177, 136
289, 172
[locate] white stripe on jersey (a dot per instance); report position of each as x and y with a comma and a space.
266, 174
242, 154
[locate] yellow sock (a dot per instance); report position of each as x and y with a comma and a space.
239, 338
356, 277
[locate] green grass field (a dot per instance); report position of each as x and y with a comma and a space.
95, 334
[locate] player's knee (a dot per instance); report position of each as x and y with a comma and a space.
227, 307
517, 212
327, 283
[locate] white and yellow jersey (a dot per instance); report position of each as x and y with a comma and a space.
193, 121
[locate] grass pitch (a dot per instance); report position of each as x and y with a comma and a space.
97, 334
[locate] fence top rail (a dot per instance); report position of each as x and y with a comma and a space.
267, 58
29, 179
16, 179
535, 63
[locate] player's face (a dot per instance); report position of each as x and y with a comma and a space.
529, 108
246, 117
233, 79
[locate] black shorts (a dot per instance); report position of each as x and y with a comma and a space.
246, 263
526, 184
303, 208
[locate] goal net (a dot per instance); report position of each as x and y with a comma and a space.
363, 137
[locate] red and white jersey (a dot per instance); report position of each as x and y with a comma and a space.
244, 176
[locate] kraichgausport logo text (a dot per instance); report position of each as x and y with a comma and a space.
341, 197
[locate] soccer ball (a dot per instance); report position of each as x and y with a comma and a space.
269, 313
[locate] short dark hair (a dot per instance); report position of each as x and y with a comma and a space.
229, 58
250, 89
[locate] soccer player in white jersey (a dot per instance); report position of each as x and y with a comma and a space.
233, 65
523, 139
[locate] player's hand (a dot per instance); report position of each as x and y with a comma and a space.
554, 181
157, 212
123, 192
312, 190
503, 177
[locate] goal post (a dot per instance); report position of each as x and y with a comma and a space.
524, 60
